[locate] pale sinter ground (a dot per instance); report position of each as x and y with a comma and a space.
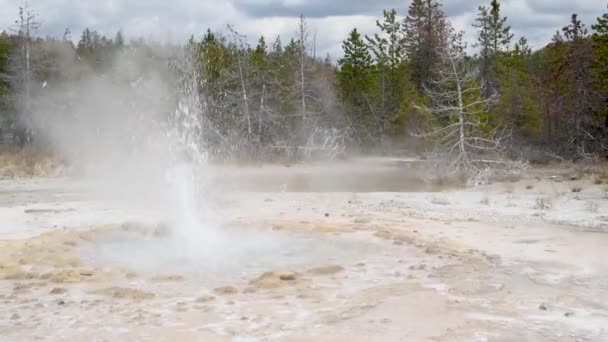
520, 261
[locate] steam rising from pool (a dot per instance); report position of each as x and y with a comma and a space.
190, 221
191, 226
136, 136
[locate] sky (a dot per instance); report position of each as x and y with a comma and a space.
329, 20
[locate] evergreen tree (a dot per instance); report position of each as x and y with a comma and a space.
356, 83
600, 67
261, 77
356, 65
119, 40
389, 55
424, 31
494, 38
517, 105
500, 32
388, 45
8, 117
577, 68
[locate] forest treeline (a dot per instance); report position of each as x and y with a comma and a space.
414, 79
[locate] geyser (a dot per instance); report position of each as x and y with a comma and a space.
135, 135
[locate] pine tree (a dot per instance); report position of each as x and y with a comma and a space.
356, 65
8, 118
600, 67
22, 67
500, 32
389, 55
423, 30
388, 46
494, 38
119, 41
356, 83
261, 77
577, 67
517, 105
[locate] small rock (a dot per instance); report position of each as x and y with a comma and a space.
170, 278
124, 293
325, 270
131, 275
161, 230
287, 276
58, 290
274, 279
326, 214
543, 307
569, 314
226, 290
431, 250
60, 302
205, 299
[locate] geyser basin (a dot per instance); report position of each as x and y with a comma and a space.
234, 253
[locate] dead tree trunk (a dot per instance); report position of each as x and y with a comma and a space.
460, 111
27, 25
303, 37
239, 46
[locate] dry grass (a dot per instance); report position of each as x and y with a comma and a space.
576, 188
486, 200
440, 201
29, 161
544, 203
510, 200
577, 176
509, 188
592, 207
511, 178
444, 182
600, 170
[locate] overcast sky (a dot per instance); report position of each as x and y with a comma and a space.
330, 19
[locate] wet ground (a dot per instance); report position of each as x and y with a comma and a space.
301, 260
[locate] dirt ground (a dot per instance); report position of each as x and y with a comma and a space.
345, 252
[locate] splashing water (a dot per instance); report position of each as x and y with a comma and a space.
190, 221
191, 225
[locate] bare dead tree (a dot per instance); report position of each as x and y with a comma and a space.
303, 44
238, 41
25, 27
461, 112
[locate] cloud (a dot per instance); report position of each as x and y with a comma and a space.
331, 20
315, 8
